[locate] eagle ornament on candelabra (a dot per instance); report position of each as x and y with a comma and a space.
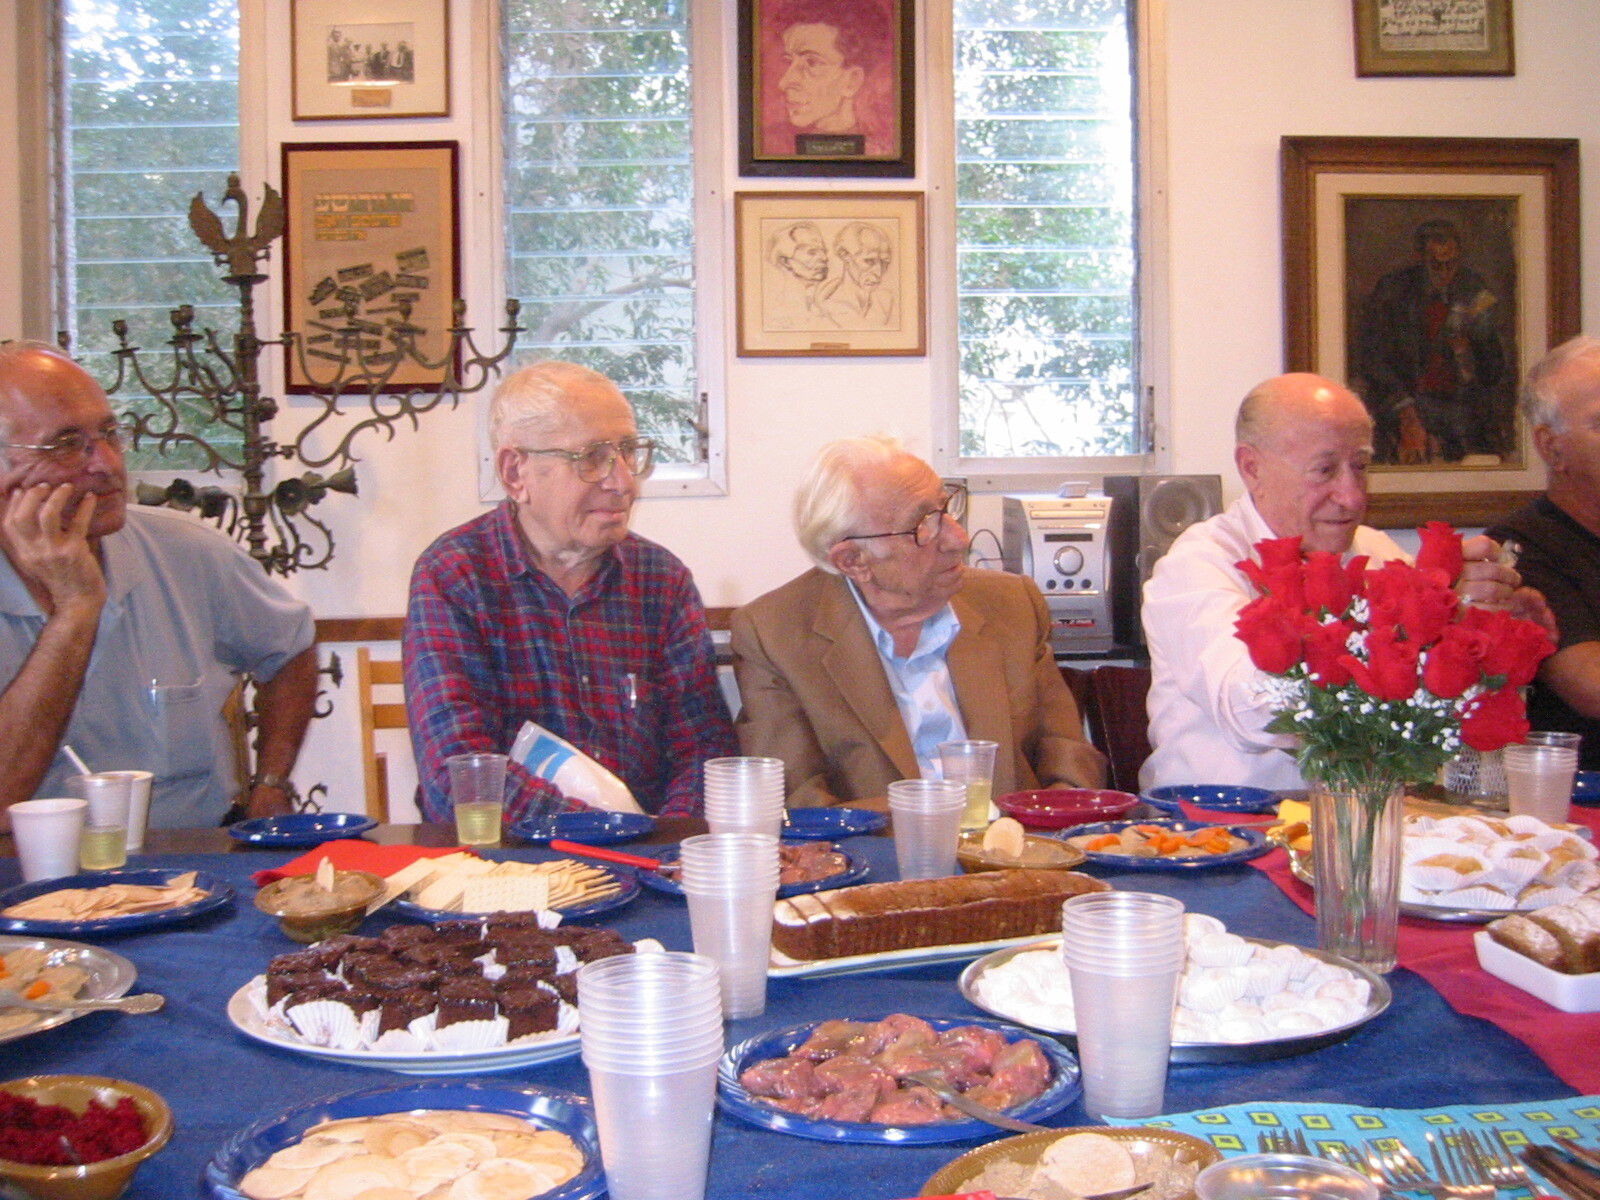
207, 396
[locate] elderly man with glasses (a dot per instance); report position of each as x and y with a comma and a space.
854, 672
122, 632
548, 609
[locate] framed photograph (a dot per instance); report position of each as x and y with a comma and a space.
372, 240
1430, 37
1430, 274
370, 58
830, 273
827, 87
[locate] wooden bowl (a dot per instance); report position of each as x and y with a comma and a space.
103, 1180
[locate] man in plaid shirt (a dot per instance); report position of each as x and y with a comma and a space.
549, 609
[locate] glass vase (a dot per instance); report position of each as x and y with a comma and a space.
1355, 839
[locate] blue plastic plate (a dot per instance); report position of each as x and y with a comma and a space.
1253, 835
854, 873
547, 1108
1586, 788
300, 829
218, 893
829, 824
1063, 1089
591, 828
626, 880
1212, 796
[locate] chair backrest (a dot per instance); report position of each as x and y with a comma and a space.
1119, 724
373, 673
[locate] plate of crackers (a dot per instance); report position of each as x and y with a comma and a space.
37, 967
485, 1140
99, 902
447, 888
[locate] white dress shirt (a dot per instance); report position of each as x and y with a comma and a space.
921, 683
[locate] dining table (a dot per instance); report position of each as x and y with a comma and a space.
1420, 1053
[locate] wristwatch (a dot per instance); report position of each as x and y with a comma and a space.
280, 783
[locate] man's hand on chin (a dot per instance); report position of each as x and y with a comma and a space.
44, 530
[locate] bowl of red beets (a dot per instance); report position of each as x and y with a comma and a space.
1061, 808
77, 1137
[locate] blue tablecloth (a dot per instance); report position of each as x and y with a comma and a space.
1419, 1054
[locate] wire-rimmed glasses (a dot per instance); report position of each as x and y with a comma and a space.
930, 523
74, 445
594, 461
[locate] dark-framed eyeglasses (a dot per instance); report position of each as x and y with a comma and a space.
930, 523
594, 461
75, 445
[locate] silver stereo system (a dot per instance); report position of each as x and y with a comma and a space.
1063, 543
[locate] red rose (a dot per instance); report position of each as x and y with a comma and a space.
1280, 572
1441, 551
1325, 650
1455, 661
1270, 630
1416, 602
1331, 585
1515, 647
1495, 719
1279, 552
1390, 672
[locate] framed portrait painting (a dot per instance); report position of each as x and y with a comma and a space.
1433, 37
826, 87
1429, 274
830, 273
369, 59
372, 242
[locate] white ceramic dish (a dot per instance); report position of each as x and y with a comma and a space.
1569, 993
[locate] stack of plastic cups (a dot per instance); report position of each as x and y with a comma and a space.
1539, 775
1123, 952
730, 880
927, 825
651, 1028
744, 795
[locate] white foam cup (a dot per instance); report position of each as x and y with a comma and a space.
47, 833
927, 825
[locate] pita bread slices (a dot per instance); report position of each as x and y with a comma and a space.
109, 900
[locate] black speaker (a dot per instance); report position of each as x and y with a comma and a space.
1147, 515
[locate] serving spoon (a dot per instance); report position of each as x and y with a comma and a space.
144, 1002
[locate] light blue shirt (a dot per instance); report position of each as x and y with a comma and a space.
921, 683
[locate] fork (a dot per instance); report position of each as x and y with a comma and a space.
1399, 1168
1284, 1141
1503, 1170
1457, 1167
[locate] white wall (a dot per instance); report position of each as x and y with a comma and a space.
1240, 74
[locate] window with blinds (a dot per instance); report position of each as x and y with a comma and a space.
148, 115
599, 195
1045, 229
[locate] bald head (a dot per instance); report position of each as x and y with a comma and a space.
1290, 400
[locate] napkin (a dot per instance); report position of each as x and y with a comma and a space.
353, 854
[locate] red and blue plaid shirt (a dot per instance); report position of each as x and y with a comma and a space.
623, 670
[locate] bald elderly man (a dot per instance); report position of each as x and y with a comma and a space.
1302, 447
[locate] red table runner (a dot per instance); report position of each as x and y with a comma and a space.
1443, 954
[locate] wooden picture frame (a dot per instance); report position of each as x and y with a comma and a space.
1425, 37
827, 87
830, 273
370, 59
370, 226
1429, 274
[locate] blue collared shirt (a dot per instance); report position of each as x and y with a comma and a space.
921, 683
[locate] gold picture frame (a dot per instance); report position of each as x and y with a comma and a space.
370, 59
1425, 37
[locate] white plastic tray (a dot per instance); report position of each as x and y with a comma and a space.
1569, 993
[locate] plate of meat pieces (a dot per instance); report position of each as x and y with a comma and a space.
846, 1080
802, 867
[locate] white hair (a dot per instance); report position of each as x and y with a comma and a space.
830, 502
1541, 391
536, 395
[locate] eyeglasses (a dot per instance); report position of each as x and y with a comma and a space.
74, 445
593, 463
931, 522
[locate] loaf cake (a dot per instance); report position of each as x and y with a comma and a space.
1563, 937
878, 917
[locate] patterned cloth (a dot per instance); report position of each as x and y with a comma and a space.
623, 670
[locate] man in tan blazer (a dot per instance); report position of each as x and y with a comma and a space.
854, 671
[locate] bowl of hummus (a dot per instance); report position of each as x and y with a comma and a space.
312, 907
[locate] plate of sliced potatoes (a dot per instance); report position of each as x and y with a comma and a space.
101, 902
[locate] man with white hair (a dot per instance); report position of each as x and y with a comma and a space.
548, 609
1559, 535
855, 671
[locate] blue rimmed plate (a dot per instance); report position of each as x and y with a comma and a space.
628, 890
547, 1108
590, 828
1586, 788
1216, 797
855, 871
827, 824
1254, 837
218, 893
1063, 1089
300, 829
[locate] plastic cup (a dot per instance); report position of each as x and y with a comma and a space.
927, 825
730, 881
1539, 780
477, 796
1549, 737
1123, 952
1291, 1176
972, 763
47, 833
744, 795
655, 1131
138, 805
104, 842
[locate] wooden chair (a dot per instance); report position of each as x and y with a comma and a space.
1118, 722
373, 673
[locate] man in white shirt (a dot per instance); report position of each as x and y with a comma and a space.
1303, 445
